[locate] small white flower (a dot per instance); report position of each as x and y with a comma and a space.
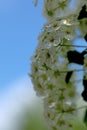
82, 26
55, 8
52, 25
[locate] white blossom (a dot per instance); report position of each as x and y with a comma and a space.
55, 8
82, 27
50, 64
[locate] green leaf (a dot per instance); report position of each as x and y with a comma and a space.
85, 118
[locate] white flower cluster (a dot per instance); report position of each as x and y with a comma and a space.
55, 8
50, 64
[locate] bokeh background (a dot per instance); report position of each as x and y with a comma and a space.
20, 24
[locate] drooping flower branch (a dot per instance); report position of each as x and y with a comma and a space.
51, 58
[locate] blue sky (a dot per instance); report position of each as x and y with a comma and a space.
20, 24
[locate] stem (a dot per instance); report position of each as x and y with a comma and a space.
74, 109
74, 46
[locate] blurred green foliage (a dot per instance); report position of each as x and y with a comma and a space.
32, 119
